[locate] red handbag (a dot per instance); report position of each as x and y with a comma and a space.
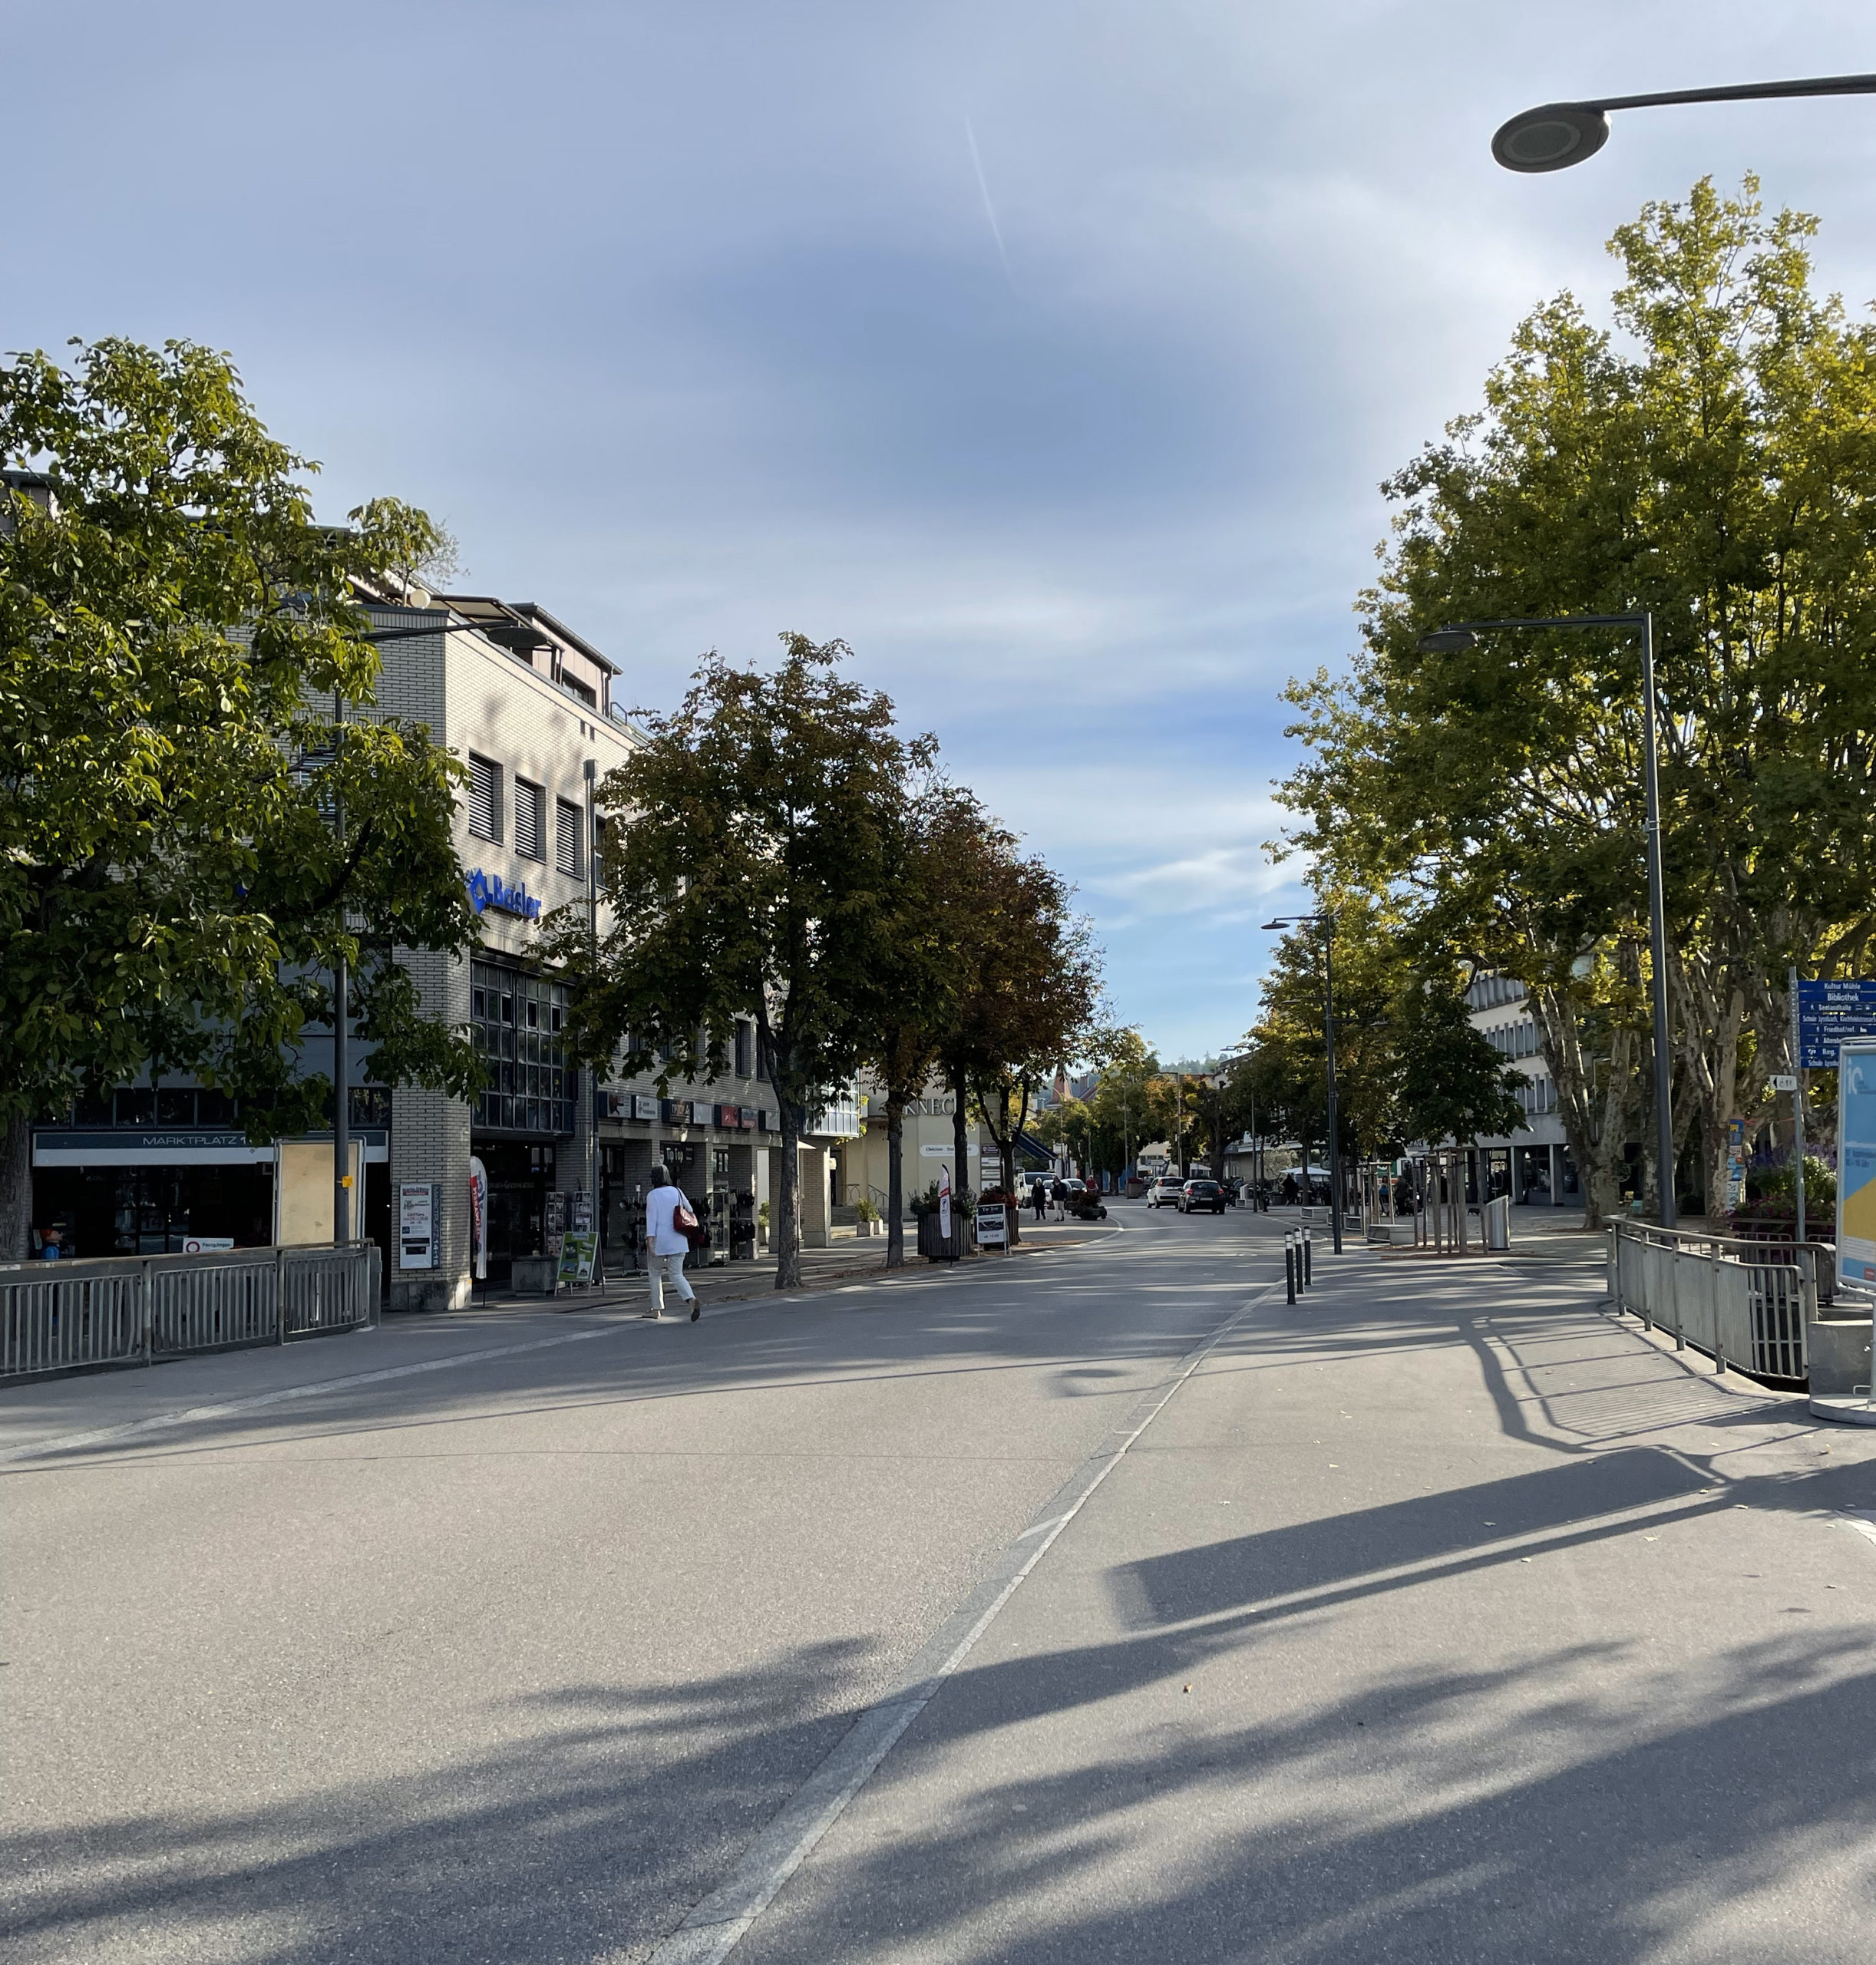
687, 1225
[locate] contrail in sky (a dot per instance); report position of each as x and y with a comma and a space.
989, 210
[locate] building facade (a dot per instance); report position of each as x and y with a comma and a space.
526, 703
1541, 1169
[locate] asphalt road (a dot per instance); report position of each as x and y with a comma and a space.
1507, 1634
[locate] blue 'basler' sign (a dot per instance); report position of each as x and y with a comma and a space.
1828, 1012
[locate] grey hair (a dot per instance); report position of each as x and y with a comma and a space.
661, 1175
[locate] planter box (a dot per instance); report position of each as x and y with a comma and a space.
534, 1276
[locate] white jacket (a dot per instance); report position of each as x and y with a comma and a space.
660, 1205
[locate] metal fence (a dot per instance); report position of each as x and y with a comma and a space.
1723, 1297
127, 1310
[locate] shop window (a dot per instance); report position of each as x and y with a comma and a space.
215, 1109
92, 1109
175, 1105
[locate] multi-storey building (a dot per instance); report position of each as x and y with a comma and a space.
1541, 1168
527, 705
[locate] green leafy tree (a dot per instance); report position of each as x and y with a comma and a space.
1714, 465
173, 893
1449, 1081
916, 987
1026, 985
751, 855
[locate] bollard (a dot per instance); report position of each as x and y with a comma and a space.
1289, 1272
1309, 1260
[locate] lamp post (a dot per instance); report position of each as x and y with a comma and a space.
1327, 924
1462, 635
1557, 134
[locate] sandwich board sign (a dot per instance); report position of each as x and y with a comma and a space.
578, 1247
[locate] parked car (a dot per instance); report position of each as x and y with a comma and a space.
1165, 1192
1201, 1197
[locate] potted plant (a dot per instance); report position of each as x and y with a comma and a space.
865, 1216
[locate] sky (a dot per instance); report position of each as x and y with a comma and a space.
1050, 352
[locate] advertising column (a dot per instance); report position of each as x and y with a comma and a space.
1856, 1165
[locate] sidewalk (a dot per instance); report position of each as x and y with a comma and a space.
728, 1282
49, 1413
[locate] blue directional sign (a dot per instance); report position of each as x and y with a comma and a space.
1830, 1013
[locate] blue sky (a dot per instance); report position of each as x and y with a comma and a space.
1051, 354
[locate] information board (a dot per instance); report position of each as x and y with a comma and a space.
1831, 1013
992, 1230
576, 1254
1856, 1168
417, 1224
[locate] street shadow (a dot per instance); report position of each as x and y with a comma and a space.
1539, 1813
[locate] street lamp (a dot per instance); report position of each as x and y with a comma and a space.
1463, 634
1327, 924
1557, 134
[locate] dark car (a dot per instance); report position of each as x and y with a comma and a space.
1197, 1195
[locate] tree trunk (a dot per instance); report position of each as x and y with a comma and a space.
788, 1196
895, 1183
960, 1150
16, 1191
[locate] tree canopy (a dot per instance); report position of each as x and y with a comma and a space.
174, 627
749, 870
1708, 457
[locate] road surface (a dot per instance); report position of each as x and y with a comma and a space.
1094, 1606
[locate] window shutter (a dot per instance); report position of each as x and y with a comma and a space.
530, 821
485, 798
569, 843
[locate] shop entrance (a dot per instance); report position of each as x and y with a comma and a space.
520, 1177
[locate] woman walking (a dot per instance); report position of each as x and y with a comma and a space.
669, 1244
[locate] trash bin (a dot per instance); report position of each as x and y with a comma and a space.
1498, 1222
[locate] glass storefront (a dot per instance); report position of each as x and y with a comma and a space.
517, 1022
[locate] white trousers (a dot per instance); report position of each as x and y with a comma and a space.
668, 1269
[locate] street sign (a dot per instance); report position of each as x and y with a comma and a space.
1831, 1013
1856, 1168
1785, 1081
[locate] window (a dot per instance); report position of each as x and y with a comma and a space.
484, 799
530, 821
570, 845
529, 1086
745, 1047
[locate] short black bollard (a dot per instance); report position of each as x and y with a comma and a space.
1309, 1260
1289, 1270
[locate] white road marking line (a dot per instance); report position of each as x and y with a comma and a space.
1862, 1523
719, 1923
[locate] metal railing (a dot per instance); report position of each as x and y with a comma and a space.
82, 1316
1718, 1294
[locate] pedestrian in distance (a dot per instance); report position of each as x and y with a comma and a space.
1038, 1197
1058, 1194
669, 1243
